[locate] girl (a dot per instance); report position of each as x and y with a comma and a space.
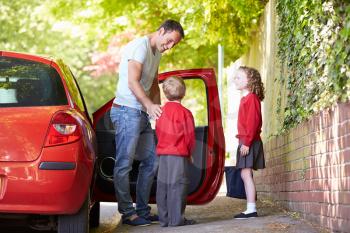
250, 153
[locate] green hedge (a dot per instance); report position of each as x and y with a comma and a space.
314, 50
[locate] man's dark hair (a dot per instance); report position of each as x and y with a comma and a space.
170, 25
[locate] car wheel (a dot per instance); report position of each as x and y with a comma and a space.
75, 223
95, 215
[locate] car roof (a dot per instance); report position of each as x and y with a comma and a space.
47, 59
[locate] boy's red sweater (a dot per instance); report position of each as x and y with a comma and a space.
175, 131
249, 119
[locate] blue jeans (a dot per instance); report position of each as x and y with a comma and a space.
134, 139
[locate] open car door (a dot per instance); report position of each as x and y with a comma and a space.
205, 173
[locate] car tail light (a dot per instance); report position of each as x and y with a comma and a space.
64, 128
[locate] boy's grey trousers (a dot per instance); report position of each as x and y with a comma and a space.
172, 185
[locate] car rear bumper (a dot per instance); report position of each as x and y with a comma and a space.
26, 188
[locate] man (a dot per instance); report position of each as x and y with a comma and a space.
137, 99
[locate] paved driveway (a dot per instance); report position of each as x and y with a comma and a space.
216, 216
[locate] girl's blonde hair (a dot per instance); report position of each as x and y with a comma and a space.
255, 84
174, 88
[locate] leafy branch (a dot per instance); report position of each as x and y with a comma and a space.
314, 49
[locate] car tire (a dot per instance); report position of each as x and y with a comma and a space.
75, 223
95, 215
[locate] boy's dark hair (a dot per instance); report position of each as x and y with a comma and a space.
170, 25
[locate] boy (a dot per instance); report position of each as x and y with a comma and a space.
176, 141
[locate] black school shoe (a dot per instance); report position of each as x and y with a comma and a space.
153, 218
139, 221
189, 222
246, 216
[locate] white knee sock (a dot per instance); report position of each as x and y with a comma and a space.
251, 208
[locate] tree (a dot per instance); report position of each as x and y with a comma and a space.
88, 34
27, 26
206, 23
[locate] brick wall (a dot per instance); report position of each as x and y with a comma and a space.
308, 169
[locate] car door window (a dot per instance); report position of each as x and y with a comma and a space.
72, 86
82, 97
195, 100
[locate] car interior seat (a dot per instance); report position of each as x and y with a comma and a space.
29, 92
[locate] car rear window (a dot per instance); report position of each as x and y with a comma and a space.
29, 83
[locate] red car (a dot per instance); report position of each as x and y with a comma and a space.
47, 144
50, 171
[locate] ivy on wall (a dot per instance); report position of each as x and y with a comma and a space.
314, 50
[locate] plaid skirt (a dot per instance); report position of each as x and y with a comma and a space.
254, 159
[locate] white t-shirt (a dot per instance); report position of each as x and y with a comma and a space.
138, 50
